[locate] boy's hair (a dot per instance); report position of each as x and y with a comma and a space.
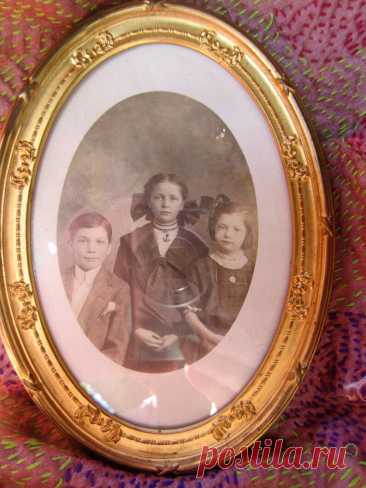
90, 220
229, 207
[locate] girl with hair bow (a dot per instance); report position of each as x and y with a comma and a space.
223, 277
154, 260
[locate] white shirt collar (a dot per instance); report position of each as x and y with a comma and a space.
86, 277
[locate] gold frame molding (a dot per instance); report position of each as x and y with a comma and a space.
24, 328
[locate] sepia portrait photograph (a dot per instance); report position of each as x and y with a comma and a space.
157, 232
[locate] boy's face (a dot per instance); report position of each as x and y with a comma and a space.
90, 247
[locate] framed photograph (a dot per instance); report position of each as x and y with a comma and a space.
166, 237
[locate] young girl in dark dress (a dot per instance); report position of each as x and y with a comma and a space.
223, 277
154, 260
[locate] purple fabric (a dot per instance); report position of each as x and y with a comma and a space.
321, 45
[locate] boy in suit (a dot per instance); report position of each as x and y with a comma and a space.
99, 299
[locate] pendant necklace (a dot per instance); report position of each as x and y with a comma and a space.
166, 230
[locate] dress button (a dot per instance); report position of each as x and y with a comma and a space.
232, 279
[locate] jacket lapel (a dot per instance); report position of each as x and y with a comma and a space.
181, 252
144, 246
98, 296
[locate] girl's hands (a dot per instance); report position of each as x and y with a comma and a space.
209, 339
214, 339
149, 338
168, 341
154, 341
210, 342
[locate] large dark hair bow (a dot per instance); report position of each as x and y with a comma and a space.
191, 213
220, 201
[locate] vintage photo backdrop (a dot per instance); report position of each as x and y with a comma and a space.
139, 137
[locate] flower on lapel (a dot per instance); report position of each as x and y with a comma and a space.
110, 308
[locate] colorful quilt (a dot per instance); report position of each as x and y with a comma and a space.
321, 45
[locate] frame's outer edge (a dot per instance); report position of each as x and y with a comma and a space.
94, 421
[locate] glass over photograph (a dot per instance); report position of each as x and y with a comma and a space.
157, 232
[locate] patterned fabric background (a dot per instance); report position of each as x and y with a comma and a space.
321, 45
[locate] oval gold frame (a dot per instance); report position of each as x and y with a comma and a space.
25, 331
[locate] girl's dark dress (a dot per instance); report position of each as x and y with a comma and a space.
158, 284
222, 292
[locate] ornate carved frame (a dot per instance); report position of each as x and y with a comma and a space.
24, 330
